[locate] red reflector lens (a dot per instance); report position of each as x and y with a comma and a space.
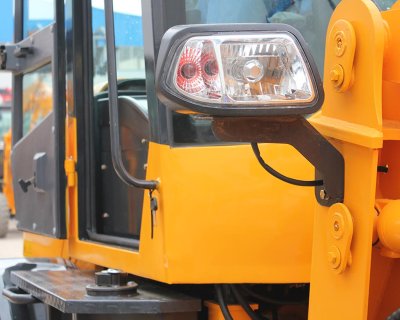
189, 75
188, 70
210, 68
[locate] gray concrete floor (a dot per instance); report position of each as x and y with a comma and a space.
11, 246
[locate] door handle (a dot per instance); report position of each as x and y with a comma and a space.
17, 296
24, 184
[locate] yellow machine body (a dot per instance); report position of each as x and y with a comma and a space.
222, 219
7, 174
199, 239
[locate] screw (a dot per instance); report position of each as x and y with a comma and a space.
103, 167
105, 215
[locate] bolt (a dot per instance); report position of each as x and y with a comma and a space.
323, 195
336, 226
339, 42
332, 257
335, 75
105, 215
103, 167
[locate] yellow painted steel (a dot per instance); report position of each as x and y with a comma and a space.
388, 226
346, 295
7, 174
385, 272
221, 219
41, 246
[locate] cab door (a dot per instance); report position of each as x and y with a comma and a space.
37, 60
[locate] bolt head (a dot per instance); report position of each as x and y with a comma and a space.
111, 278
334, 257
334, 75
323, 195
336, 226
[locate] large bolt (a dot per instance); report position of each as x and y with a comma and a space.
110, 278
337, 75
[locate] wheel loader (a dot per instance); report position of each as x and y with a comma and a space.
205, 160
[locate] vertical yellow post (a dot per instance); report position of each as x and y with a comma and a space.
352, 119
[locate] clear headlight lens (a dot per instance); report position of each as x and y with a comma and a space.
255, 69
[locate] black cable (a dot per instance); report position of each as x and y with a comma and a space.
276, 174
268, 299
246, 307
395, 315
222, 304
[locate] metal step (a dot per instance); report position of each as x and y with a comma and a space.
65, 292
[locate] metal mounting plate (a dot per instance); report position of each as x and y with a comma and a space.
66, 291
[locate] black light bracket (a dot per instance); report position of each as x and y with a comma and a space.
299, 133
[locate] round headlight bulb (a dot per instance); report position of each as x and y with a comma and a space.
253, 71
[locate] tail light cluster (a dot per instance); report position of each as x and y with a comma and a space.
5, 96
242, 69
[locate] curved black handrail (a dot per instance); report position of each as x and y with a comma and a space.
118, 164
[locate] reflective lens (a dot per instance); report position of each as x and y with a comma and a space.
266, 69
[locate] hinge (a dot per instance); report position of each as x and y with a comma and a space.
69, 166
3, 57
12, 56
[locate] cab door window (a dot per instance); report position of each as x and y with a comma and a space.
37, 99
128, 42
37, 15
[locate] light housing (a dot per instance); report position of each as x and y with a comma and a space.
237, 70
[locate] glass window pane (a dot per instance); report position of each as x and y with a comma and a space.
37, 97
128, 42
37, 14
301, 14
5, 122
384, 5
